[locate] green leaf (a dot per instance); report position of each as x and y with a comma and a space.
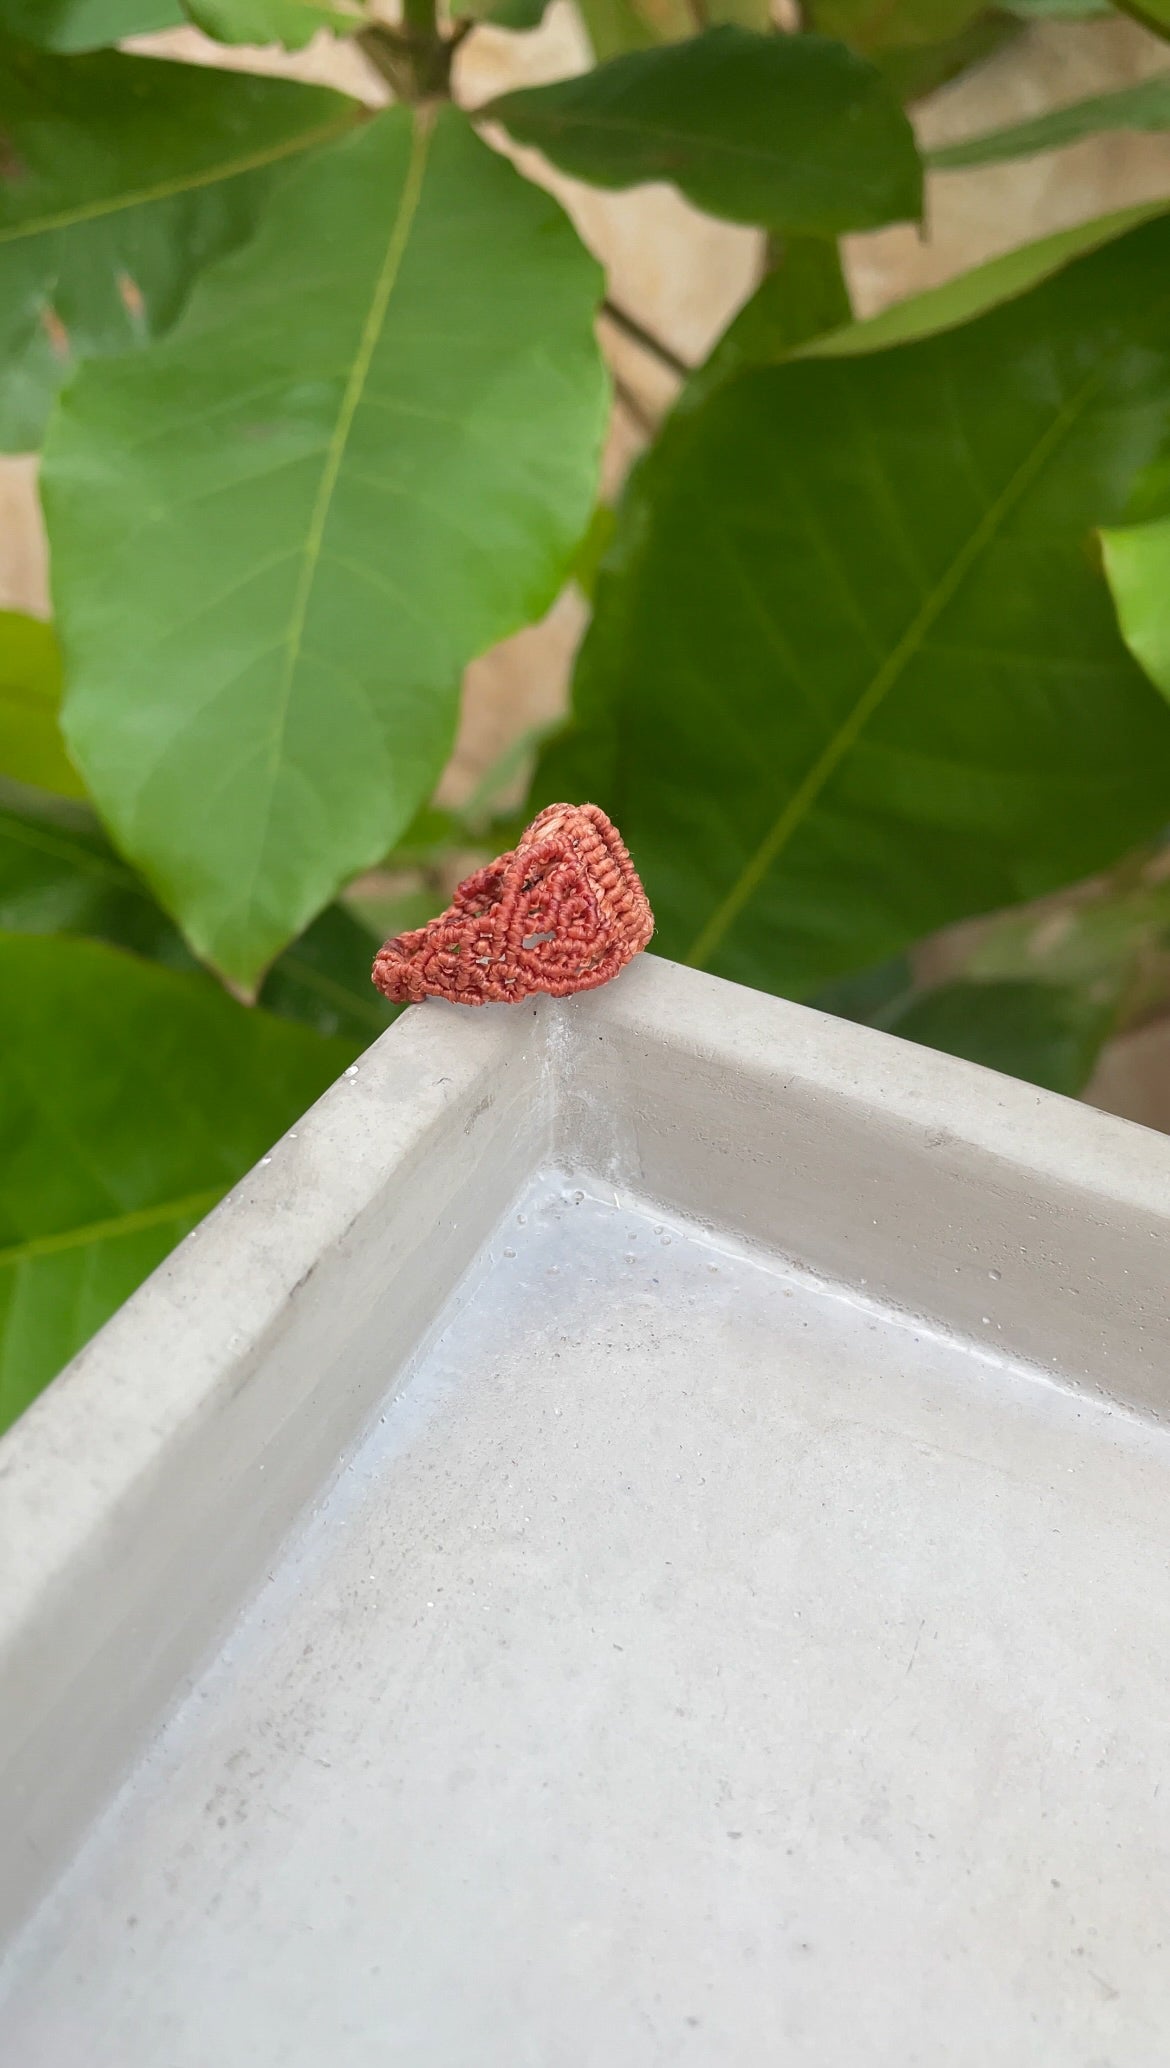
853, 672
593, 548
873, 997
793, 132
871, 26
1152, 14
131, 1099
985, 287
122, 177
291, 22
802, 296
1136, 554
1149, 495
915, 69
1137, 565
1146, 106
1111, 940
1048, 1034
366, 454
918, 45
749, 14
324, 979
616, 26
60, 878
31, 747
510, 14
72, 25
1061, 10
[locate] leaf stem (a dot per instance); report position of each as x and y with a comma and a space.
638, 414
639, 335
414, 58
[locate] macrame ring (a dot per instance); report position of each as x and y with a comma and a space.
563, 912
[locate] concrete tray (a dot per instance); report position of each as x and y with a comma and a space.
638, 1536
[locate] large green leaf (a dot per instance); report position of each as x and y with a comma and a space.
853, 672
70, 25
793, 132
123, 176
366, 454
801, 296
1146, 106
31, 747
60, 877
131, 1098
291, 22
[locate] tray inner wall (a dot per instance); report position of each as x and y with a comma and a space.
689, 1653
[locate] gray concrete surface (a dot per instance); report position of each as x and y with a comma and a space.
693, 1666
640, 1536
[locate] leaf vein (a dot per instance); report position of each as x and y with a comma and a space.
166, 190
793, 814
111, 1230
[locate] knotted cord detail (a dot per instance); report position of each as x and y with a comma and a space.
562, 913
